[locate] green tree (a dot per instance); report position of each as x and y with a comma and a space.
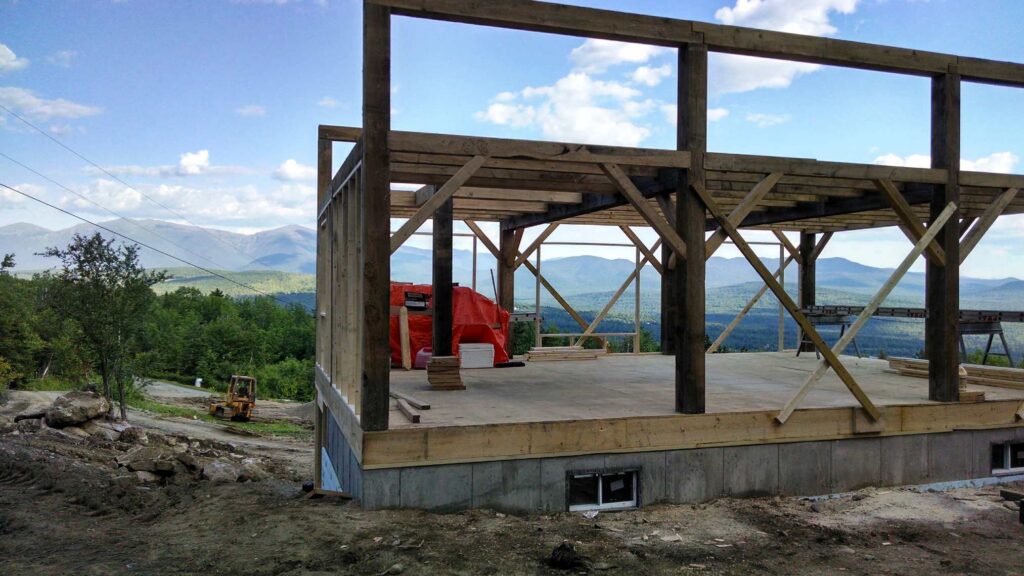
107, 292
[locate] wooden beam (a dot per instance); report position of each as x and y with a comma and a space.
435, 201
376, 221
636, 28
591, 203
642, 247
942, 283
639, 202
746, 309
911, 225
441, 296
985, 221
807, 273
832, 207
850, 333
740, 212
615, 297
820, 246
405, 408
791, 249
788, 304
403, 336
534, 245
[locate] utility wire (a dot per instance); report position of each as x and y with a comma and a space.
108, 210
129, 238
118, 179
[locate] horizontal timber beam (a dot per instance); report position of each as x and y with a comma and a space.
832, 207
648, 187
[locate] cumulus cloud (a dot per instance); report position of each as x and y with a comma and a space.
26, 103
595, 56
1000, 162
731, 73
11, 200
251, 110
763, 120
9, 61
62, 58
292, 170
716, 114
577, 108
650, 76
189, 164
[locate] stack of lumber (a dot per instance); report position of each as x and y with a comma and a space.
555, 353
994, 376
443, 373
908, 367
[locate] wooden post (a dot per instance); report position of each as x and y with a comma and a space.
942, 283
442, 290
506, 276
376, 216
808, 276
688, 276
668, 304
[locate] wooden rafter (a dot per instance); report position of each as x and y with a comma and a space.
740, 212
787, 302
639, 202
867, 312
435, 201
642, 247
911, 224
985, 222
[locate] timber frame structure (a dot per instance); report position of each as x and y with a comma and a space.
694, 199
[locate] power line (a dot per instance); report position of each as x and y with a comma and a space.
118, 179
130, 239
102, 207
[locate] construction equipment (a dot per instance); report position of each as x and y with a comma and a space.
239, 401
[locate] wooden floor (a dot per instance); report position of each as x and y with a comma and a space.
620, 386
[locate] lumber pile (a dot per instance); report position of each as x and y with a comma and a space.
443, 373
976, 374
556, 353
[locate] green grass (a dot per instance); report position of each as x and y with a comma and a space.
48, 385
260, 428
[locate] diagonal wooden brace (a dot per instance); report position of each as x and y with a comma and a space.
985, 222
639, 202
642, 247
868, 311
435, 201
615, 297
534, 245
742, 210
910, 224
786, 301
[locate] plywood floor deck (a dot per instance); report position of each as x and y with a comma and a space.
619, 386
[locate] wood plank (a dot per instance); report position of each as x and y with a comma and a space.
375, 218
639, 202
403, 335
615, 297
412, 400
642, 247
975, 234
789, 305
434, 202
912, 227
405, 408
791, 248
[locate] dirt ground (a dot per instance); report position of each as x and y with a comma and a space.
66, 508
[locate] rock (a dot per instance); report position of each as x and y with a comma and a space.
565, 557
6, 425
29, 426
250, 471
76, 407
146, 477
189, 461
134, 435
30, 414
815, 507
75, 431
101, 429
219, 471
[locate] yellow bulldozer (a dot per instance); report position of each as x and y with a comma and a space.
239, 401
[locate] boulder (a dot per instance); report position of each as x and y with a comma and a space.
250, 471
75, 431
146, 477
101, 429
219, 471
30, 414
75, 408
134, 435
6, 425
29, 426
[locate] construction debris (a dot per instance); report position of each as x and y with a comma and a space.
443, 373
557, 353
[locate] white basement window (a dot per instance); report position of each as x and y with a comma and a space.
1008, 458
618, 490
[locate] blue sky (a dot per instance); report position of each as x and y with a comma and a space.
212, 107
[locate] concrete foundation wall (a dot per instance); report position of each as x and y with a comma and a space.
339, 456
683, 476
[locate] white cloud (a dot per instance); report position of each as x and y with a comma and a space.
62, 58
292, 170
714, 114
189, 164
651, 76
731, 73
595, 56
192, 163
328, 102
251, 110
1000, 162
767, 120
26, 103
576, 108
9, 61
10, 199
61, 129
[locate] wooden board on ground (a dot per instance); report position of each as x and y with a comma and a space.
999, 376
557, 353
412, 400
443, 373
409, 411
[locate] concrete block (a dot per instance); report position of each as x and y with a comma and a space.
856, 463
355, 474
652, 473
951, 456
982, 447
437, 488
552, 479
381, 489
751, 470
694, 475
508, 485
904, 460
805, 468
